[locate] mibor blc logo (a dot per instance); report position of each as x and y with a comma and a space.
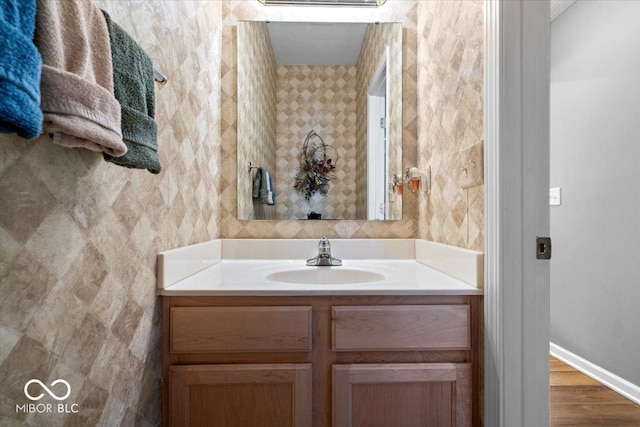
47, 389
59, 390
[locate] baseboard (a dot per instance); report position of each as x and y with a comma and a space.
604, 377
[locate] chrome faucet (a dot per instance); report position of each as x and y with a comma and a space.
324, 258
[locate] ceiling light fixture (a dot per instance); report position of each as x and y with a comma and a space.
352, 3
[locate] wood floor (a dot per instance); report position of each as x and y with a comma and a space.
577, 400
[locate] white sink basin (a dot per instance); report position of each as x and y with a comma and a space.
325, 276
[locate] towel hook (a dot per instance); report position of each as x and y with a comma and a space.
159, 77
252, 167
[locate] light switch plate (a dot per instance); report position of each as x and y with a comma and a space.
472, 161
555, 196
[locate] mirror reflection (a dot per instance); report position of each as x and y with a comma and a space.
319, 120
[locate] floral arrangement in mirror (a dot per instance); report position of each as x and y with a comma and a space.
317, 161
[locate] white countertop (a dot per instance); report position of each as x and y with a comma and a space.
247, 277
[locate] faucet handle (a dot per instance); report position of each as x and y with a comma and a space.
324, 246
324, 257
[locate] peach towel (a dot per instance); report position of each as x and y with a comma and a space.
78, 103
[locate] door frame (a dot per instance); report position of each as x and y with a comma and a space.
516, 293
378, 105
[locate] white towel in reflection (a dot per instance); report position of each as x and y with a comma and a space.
271, 195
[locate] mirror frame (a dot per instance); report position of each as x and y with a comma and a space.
348, 3
258, 211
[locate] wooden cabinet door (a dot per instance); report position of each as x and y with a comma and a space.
402, 395
269, 395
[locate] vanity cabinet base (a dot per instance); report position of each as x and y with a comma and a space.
326, 373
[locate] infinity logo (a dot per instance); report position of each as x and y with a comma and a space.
51, 393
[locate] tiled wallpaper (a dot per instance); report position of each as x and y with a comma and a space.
323, 99
230, 226
450, 78
376, 39
256, 114
79, 236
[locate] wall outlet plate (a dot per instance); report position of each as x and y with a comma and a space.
472, 163
555, 196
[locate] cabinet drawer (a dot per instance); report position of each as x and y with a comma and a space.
240, 329
401, 327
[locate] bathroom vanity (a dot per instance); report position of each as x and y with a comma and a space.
243, 350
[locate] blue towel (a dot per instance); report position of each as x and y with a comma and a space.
20, 66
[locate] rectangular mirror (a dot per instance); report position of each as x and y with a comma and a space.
319, 120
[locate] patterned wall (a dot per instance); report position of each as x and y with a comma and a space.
230, 226
450, 78
79, 236
376, 39
320, 98
256, 114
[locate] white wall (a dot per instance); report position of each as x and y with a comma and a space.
595, 158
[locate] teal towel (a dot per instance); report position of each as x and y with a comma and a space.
257, 179
20, 65
133, 87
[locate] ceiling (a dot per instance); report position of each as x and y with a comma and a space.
559, 6
327, 43
316, 43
